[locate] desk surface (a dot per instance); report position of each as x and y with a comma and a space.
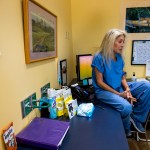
103, 131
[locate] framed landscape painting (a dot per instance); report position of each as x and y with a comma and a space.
40, 32
137, 20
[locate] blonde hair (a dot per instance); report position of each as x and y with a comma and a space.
106, 47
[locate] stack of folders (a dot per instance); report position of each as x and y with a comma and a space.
43, 133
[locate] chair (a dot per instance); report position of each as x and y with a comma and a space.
136, 134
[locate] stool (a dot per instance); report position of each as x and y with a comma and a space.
136, 134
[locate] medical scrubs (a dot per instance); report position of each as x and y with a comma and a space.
112, 76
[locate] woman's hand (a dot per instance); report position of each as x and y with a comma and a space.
127, 95
123, 94
130, 98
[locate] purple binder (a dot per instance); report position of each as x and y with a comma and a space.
43, 133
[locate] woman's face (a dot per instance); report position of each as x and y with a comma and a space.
119, 44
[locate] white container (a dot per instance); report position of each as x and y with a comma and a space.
51, 94
134, 77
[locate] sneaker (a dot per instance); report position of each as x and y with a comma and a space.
137, 125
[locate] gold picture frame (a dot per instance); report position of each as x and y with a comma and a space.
40, 32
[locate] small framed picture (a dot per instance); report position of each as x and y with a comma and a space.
63, 72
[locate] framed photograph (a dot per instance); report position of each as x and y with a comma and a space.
140, 52
137, 20
63, 72
40, 32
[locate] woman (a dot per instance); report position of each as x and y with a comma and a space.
131, 99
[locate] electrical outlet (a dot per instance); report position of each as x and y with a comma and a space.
26, 104
33, 100
44, 90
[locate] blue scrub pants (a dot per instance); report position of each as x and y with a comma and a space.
140, 109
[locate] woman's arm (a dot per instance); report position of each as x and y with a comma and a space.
99, 79
130, 98
124, 83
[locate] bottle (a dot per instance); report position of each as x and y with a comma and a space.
133, 77
52, 101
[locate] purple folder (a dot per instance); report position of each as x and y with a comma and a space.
43, 133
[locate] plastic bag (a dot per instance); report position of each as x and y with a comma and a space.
85, 109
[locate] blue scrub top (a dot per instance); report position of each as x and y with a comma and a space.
112, 74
